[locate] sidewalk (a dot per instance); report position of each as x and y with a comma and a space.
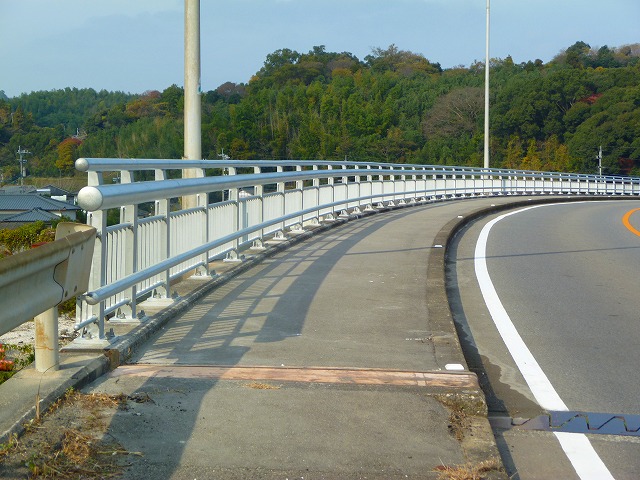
334, 357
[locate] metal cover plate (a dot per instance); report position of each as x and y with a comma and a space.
574, 422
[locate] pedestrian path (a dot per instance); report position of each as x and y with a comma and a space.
333, 358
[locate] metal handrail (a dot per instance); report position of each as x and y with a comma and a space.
141, 255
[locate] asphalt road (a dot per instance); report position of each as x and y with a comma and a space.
567, 277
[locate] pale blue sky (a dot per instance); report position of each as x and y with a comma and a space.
137, 45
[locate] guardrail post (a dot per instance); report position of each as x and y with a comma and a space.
280, 187
234, 197
47, 350
162, 208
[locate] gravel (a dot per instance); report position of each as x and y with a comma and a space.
25, 333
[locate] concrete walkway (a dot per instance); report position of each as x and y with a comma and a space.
329, 359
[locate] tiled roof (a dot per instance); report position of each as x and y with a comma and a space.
28, 202
17, 189
34, 215
57, 190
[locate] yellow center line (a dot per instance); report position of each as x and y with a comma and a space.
627, 223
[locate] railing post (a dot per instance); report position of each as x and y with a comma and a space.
97, 279
258, 191
163, 209
129, 215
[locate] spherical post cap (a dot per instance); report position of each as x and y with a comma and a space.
90, 199
82, 164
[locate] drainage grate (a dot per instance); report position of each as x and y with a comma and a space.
574, 422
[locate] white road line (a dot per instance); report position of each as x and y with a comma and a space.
577, 447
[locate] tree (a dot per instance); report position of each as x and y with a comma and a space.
455, 113
531, 161
401, 61
514, 153
67, 155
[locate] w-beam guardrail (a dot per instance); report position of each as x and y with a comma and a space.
34, 282
243, 202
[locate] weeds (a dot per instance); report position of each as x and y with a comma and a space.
469, 471
261, 386
14, 358
461, 407
10, 446
70, 442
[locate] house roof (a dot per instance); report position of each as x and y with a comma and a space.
34, 215
17, 189
26, 202
54, 190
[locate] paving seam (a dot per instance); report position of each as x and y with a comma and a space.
358, 376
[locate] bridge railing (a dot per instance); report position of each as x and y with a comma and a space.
242, 203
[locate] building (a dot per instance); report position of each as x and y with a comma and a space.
58, 193
21, 209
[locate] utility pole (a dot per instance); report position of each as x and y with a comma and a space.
23, 163
599, 157
486, 94
192, 106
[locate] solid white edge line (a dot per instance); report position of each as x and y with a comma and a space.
585, 460
577, 447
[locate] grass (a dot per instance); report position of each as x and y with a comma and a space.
461, 407
469, 471
69, 442
260, 386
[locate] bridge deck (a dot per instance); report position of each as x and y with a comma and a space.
322, 361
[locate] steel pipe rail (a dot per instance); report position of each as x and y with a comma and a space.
102, 197
155, 241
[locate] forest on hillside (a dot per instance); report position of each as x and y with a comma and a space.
392, 106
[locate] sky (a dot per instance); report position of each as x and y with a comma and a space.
137, 45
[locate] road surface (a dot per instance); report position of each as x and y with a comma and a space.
566, 276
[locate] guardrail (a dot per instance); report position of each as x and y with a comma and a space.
35, 281
241, 203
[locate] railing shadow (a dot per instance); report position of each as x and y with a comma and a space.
249, 320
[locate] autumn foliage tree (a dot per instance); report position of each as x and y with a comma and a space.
67, 155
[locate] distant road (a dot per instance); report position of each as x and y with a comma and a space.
567, 275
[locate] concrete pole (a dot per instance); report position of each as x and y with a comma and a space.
486, 95
192, 105
47, 350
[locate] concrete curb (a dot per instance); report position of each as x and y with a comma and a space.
448, 348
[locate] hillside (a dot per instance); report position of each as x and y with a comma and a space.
392, 106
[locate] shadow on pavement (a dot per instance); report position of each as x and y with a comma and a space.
255, 319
